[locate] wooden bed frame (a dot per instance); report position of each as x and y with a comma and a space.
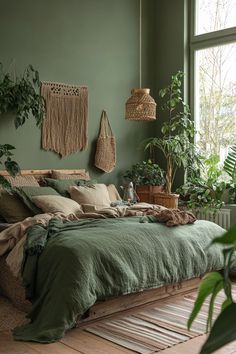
123, 302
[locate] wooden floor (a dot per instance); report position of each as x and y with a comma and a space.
78, 342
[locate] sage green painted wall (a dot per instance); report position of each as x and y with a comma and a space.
171, 54
87, 42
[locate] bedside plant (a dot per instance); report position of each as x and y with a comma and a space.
209, 190
148, 178
176, 140
145, 173
21, 98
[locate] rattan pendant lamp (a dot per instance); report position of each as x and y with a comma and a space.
140, 106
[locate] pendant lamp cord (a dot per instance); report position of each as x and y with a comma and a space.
140, 43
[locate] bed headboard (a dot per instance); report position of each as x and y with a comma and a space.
41, 173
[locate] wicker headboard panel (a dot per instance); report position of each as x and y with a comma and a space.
41, 173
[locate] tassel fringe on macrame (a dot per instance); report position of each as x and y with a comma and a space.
65, 127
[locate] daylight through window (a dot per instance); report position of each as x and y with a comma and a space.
215, 76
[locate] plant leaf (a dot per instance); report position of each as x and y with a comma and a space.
4, 183
229, 238
209, 285
230, 163
223, 330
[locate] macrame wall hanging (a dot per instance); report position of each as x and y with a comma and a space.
65, 127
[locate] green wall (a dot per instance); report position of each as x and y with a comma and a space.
87, 42
171, 54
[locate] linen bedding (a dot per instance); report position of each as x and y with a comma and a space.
80, 262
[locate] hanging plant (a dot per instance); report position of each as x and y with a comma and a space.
19, 96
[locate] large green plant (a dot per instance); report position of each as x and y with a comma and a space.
177, 133
21, 98
230, 163
223, 330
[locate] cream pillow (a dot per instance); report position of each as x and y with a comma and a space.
96, 195
113, 193
55, 203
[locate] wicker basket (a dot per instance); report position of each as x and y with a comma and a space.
146, 193
166, 200
140, 106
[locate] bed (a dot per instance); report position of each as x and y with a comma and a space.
87, 262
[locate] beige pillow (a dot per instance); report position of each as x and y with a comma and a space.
82, 174
21, 181
55, 203
96, 195
113, 193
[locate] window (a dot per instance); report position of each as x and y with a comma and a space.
213, 56
214, 15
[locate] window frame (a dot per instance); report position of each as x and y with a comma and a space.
203, 41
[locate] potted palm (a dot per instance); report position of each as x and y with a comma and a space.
148, 179
176, 140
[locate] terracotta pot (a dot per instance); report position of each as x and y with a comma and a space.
146, 193
167, 200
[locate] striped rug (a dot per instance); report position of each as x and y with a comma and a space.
156, 327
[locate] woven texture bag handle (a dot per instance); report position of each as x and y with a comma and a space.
105, 129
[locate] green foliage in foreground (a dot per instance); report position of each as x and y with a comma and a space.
223, 330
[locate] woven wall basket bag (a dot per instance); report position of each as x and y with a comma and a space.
105, 157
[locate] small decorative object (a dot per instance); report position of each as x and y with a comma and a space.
65, 127
129, 193
105, 157
140, 106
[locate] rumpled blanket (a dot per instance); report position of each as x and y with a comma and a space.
13, 239
170, 217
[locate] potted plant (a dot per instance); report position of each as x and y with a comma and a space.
176, 140
148, 178
19, 96
209, 189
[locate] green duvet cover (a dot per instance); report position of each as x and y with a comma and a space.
90, 260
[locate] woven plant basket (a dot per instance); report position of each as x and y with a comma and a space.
105, 157
146, 193
140, 106
166, 200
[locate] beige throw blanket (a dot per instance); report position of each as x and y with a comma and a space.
12, 239
65, 126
